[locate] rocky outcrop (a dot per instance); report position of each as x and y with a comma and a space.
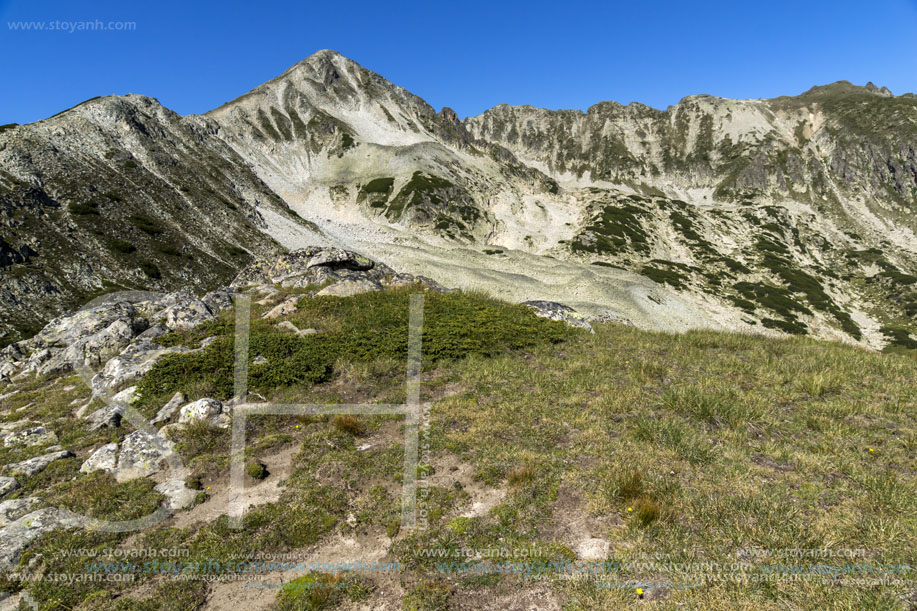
18, 535
35, 436
35, 465
561, 312
14, 509
343, 271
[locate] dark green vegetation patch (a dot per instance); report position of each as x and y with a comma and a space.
362, 328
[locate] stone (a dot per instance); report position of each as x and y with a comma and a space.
169, 408
110, 416
104, 458
14, 509
7, 485
38, 464
218, 300
106, 417
202, 409
285, 308
129, 366
142, 454
186, 315
558, 311
337, 258
348, 288
178, 496
19, 534
36, 436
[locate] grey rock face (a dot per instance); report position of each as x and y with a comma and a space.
18, 535
38, 464
169, 408
141, 454
7, 485
105, 459
559, 311
185, 316
202, 409
306, 267
35, 436
129, 366
177, 495
349, 287
14, 509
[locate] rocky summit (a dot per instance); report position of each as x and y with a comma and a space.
791, 215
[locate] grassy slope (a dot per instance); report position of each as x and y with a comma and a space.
686, 446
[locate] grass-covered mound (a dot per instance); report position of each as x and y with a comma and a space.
358, 329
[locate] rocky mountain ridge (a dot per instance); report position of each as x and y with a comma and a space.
790, 215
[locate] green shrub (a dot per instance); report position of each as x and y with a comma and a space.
317, 591
362, 328
150, 269
84, 209
256, 469
121, 246
146, 224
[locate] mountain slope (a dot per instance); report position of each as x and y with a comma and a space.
790, 215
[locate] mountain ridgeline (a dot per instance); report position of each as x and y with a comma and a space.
789, 215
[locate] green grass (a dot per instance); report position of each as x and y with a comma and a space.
687, 447
363, 329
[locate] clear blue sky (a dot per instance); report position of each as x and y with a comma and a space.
193, 56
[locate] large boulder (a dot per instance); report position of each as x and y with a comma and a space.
104, 458
561, 312
18, 535
349, 287
186, 315
38, 464
326, 265
129, 366
14, 509
142, 454
7, 485
202, 409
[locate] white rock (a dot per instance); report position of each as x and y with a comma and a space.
105, 459
202, 409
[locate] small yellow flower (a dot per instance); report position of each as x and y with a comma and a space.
871, 450
630, 509
639, 591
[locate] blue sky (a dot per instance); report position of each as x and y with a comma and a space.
194, 56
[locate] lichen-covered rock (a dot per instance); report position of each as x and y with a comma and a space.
38, 464
142, 454
325, 265
14, 509
285, 308
178, 496
104, 458
561, 312
218, 300
349, 287
129, 366
18, 535
7, 485
169, 408
202, 409
186, 315
35, 436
